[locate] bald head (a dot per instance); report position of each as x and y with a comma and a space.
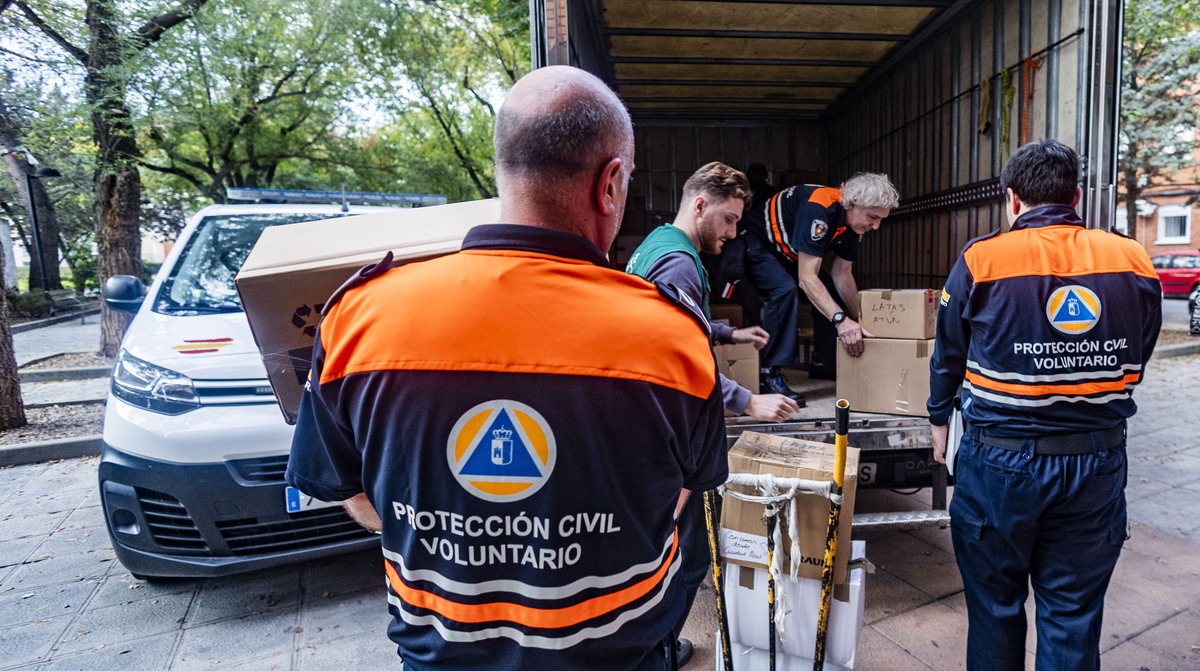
560, 122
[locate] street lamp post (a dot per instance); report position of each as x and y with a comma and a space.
37, 237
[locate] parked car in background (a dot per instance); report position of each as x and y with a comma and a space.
195, 447
1179, 272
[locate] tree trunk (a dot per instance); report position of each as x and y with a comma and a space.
118, 199
1132, 193
12, 408
117, 182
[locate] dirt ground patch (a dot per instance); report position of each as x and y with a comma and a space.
57, 421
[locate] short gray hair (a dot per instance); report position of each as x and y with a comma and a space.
583, 131
870, 189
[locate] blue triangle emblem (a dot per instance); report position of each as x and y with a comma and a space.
1074, 310
501, 452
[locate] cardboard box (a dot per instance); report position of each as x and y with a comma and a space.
903, 313
739, 363
294, 269
891, 376
743, 533
746, 603
730, 313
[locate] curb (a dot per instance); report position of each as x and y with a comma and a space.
51, 321
1182, 349
59, 374
49, 450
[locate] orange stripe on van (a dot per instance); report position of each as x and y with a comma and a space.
508, 311
1080, 389
1061, 250
528, 616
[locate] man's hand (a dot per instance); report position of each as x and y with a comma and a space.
363, 512
771, 407
751, 334
851, 333
940, 433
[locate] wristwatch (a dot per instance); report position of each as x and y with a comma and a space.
838, 318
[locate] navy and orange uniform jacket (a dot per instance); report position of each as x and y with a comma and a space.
1047, 327
805, 219
523, 419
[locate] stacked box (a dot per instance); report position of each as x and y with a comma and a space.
892, 375
743, 535
904, 313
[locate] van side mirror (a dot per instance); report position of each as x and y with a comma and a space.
124, 293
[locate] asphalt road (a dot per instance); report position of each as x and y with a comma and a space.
1175, 314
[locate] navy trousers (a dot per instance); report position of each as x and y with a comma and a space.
776, 282
777, 285
1056, 522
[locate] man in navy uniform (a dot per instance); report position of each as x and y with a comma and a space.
522, 422
1047, 328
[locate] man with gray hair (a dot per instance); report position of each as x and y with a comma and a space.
528, 421
787, 240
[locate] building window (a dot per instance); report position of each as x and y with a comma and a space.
1174, 225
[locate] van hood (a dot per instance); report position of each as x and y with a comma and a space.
203, 347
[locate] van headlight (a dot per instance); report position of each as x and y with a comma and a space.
154, 388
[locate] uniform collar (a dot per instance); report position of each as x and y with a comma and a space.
534, 239
1048, 215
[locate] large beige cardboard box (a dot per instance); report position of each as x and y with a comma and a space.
294, 269
739, 363
743, 533
901, 313
891, 376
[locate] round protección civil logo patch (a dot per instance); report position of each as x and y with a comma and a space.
501, 451
1073, 309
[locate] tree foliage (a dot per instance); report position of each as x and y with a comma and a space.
1161, 77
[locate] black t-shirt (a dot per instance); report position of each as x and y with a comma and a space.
805, 219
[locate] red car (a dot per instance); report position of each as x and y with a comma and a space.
1179, 272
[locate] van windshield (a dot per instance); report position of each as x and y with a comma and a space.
202, 280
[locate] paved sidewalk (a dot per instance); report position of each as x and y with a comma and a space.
65, 338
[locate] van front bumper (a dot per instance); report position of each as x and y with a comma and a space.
202, 520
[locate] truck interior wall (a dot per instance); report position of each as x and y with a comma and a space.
920, 122
666, 154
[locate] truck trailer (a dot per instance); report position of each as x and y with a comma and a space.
935, 93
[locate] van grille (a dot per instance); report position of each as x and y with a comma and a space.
265, 469
234, 392
307, 529
170, 525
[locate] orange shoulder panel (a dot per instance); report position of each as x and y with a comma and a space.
1064, 251
826, 196
518, 312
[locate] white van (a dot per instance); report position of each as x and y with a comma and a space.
195, 447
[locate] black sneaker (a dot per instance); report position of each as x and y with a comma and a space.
683, 651
773, 383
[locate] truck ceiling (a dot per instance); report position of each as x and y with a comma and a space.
729, 59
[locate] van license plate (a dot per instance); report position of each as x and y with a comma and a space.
298, 501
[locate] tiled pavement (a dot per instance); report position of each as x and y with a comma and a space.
65, 603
